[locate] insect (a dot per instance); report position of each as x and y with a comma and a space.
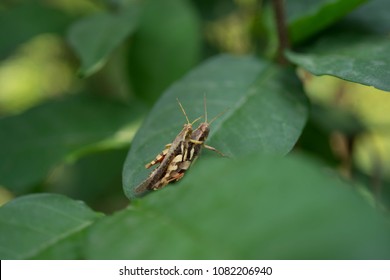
182, 162
178, 156
177, 148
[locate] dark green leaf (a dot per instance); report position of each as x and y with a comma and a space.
315, 141
27, 20
372, 17
257, 207
94, 179
43, 226
33, 142
334, 119
306, 17
165, 46
95, 37
266, 112
321, 127
351, 57
377, 182
213, 9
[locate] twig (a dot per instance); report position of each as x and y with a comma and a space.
281, 26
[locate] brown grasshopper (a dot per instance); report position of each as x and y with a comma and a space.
177, 149
182, 162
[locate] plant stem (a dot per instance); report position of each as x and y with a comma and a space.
284, 43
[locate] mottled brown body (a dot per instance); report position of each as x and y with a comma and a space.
165, 159
179, 166
178, 156
181, 163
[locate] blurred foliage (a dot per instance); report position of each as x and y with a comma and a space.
80, 79
158, 57
36, 72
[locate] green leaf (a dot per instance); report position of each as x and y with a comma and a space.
372, 17
332, 119
92, 178
213, 9
306, 17
266, 112
33, 142
95, 37
28, 20
165, 46
256, 207
43, 226
355, 58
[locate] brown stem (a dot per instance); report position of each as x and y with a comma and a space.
281, 26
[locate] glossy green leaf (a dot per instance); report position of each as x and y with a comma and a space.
256, 207
355, 58
306, 17
266, 112
95, 37
165, 46
33, 142
27, 20
43, 226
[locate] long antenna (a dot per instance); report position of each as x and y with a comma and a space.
205, 107
205, 111
196, 120
182, 109
217, 116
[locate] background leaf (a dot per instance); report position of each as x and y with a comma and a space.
43, 226
58, 130
93, 38
212, 9
256, 207
28, 20
354, 50
266, 113
371, 17
350, 57
306, 18
94, 178
165, 46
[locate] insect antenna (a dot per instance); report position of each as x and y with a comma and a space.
205, 108
197, 119
185, 114
217, 116
205, 111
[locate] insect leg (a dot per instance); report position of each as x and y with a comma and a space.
214, 150
160, 157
